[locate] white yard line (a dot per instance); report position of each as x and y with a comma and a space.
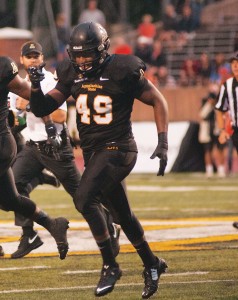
147, 188
23, 268
119, 285
156, 188
97, 271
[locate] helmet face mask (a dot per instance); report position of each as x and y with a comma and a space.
88, 40
89, 58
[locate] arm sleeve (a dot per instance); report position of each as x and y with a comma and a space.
135, 79
42, 105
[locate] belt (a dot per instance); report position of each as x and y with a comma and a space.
37, 144
43, 147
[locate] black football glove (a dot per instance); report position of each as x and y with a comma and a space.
36, 75
161, 152
54, 140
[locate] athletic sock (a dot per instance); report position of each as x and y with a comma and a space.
107, 253
43, 219
28, 231
146, 255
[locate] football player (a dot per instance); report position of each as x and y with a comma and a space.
10, 199
104, 87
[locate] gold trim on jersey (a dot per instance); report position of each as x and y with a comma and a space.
92, 87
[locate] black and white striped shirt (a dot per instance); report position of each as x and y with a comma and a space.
228, 99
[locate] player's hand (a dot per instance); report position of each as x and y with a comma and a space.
161, 152
54, 140
223, 137
36, 75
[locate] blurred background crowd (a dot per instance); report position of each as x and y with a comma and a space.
173, 37
184, 43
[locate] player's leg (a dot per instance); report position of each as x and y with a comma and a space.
69, 176
46, 177
11, 200
153, 266
25, 169
88, 200
114, 230
109, 169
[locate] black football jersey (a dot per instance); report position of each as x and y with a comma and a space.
104, 103
8, 70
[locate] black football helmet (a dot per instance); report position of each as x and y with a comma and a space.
88, 39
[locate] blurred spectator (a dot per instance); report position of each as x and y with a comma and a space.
208, 135
121, 46
179, 4
143, 48
220, 69
93, 14
204, 69
196, 6
158, 57
63, 33
169, 26
146, 28
165, 79
188, 73
186, 23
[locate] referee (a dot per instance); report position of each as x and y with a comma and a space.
228, 101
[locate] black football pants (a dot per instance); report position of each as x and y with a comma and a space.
101, 183
29, 164
10, 200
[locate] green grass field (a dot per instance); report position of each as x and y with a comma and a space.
202, 268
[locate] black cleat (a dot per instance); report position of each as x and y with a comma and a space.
235, 224
58, 229
27, 244
1, 251
151, 278
47, 177
115, 234
109, 276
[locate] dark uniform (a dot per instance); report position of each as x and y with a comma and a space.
9, 197
104, 88
33, 158
109, 151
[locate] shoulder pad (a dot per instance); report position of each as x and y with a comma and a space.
65, 72
129, 67
8, 68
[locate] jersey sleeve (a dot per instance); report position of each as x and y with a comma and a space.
131, 73
64, 74
8, 69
